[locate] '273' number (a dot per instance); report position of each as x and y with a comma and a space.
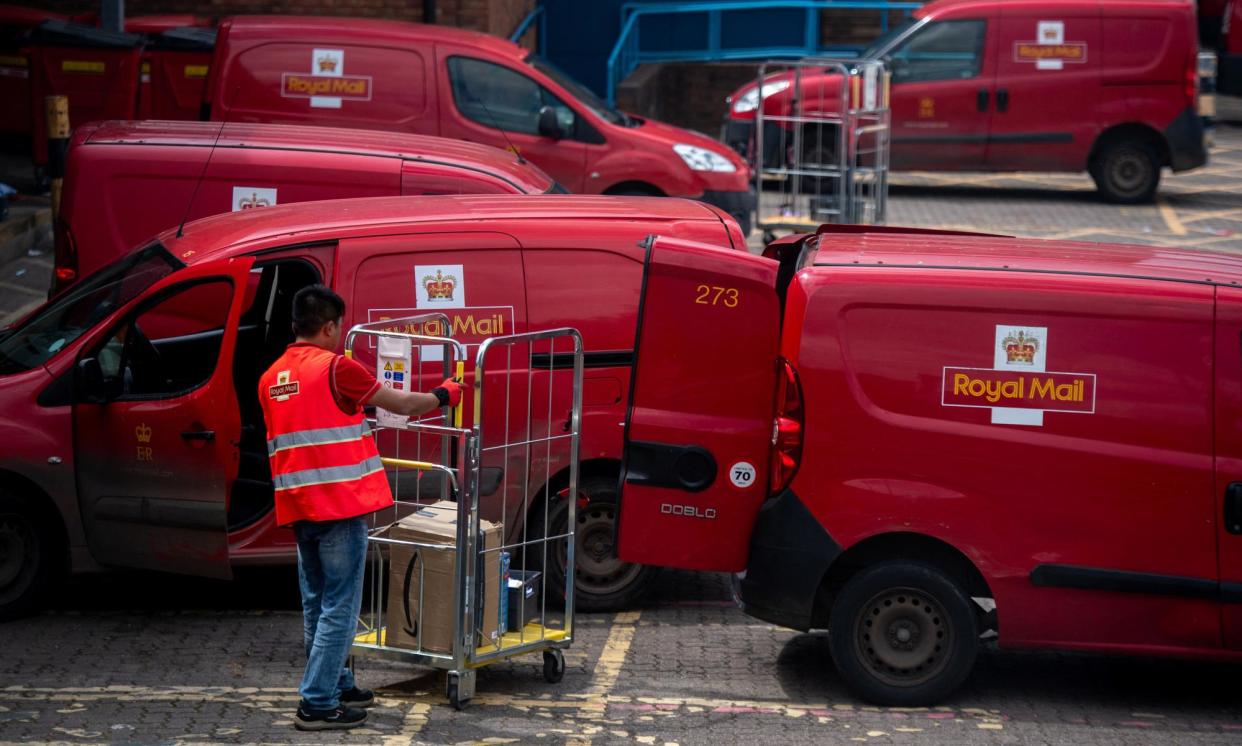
714, 295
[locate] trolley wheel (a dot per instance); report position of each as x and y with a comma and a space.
553, 666
768, 237
903, 633
454, 693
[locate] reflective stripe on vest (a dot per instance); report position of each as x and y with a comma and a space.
325, 465
328, 474
318, 437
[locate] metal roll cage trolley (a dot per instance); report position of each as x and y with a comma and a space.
448, 464
825, 159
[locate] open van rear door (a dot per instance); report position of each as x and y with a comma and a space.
698, 432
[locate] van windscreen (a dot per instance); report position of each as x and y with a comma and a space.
579, 91
64, 318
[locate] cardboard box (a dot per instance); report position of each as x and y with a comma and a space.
414, 568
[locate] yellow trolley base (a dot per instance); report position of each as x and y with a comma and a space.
511, 643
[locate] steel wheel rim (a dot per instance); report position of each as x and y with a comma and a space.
1128, 172
599, 571
903, 637
18, 547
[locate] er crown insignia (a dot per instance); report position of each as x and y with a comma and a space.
440, 286
143, 433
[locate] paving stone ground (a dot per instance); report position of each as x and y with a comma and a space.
142, 658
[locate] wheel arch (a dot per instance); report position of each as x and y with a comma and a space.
635, 186
32, 494
909, 546
1126, 132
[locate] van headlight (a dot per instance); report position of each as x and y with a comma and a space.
749, 101
702, 159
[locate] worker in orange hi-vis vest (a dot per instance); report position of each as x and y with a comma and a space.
327, 474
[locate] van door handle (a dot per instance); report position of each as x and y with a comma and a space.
203, 435
981, 100
1002, 99
1233, 508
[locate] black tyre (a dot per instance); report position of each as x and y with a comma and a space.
28, 564
1127, 172
603, 582
454, 694
553, 666
903, 634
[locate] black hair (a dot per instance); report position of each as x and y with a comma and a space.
313, 307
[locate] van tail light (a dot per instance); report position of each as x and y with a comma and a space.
65, 269
1192, 78
787, 429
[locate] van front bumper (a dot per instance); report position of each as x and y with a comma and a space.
1187, 141
790, 553
740, 205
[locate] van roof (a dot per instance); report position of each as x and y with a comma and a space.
991, 253
236, 233
339, 30
458, 153
1046, 6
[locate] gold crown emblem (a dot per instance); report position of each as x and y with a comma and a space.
439, 286
143, 432
1050, 34
327, 64
1020, 348
253, 201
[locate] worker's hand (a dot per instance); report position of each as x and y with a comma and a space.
448, 393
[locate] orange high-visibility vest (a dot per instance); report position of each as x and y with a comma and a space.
325, 465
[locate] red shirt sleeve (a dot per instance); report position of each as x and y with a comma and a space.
352, 385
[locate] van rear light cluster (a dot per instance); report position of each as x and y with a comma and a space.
1192, 78
65, 270
787, 429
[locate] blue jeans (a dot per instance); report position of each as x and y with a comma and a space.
332, 557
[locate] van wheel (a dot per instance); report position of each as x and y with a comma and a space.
602, 581
903, 633
27, 564
1127, 172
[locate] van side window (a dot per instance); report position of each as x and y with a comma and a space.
947, 50
497, 97
171, 347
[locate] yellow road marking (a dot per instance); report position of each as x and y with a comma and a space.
411, 725
1171, 220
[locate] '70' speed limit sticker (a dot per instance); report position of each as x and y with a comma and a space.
742, 474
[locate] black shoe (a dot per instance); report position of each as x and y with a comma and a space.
358, 697
337, 719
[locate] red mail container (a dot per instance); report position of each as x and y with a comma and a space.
15, 23
96, 69
174, 73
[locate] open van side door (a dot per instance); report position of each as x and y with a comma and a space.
698, 430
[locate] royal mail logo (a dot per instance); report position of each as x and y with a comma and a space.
352, 87
284, 388
439, 286
1049, 51
143, 433
1048, 392
326, 84
1018, 388
250, 198
1028, 51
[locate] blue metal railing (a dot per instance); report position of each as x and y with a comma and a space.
628, 53
539, 15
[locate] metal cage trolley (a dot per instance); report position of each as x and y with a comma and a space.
456, 563
822, 157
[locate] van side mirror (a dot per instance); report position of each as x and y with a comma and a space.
91, 385
555, 122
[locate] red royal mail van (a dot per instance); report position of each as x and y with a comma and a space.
1109, 87
127, 181
911, 438
434, 80
169, 470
